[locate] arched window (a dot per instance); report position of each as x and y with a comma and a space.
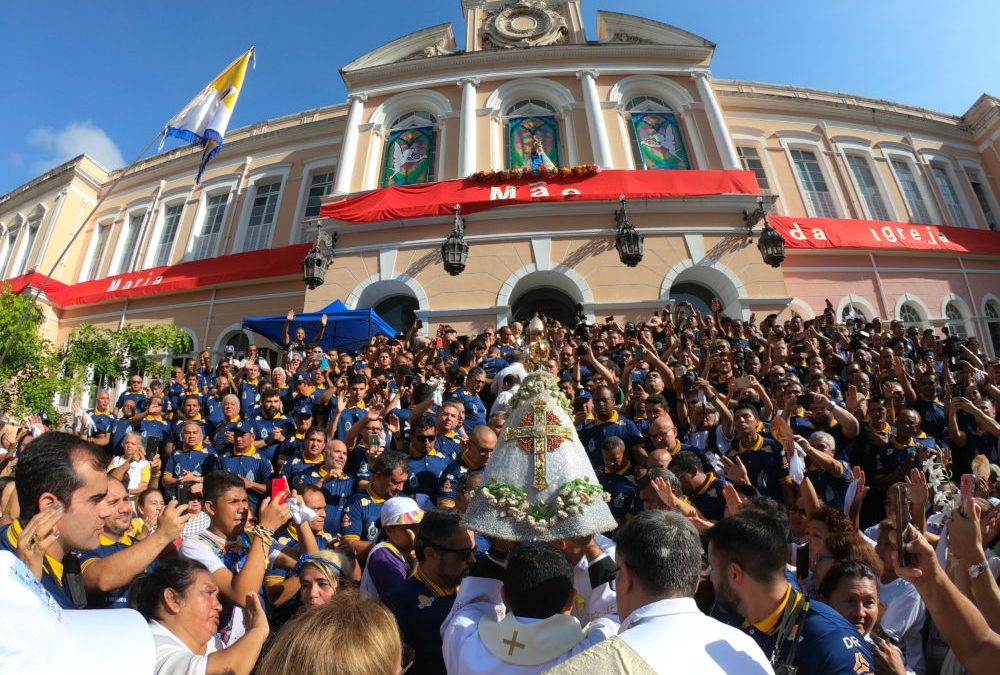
528, 121
909, 315
399, 311
239, 341
657, 141
993, 325
956, 321
852, 311
410, 150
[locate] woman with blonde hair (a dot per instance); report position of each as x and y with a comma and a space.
349, 635
322, 575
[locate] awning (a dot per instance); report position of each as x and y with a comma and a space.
260, 264
831, 233
346, 329
478, 194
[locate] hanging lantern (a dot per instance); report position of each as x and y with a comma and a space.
455, 250
318, 259
628, 240
771, 246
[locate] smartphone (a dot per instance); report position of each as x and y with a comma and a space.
279, 485
805, 400
637, 385
967, 489
802, 562
637, 353
183, 493
609, 319
152, 447
374, 441
900, 496
407, 381
743, 382
420, 324
324, 363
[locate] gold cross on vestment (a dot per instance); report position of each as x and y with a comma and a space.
513, 644
540, 433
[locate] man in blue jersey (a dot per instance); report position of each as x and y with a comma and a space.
476, 452
307, 468
618, 479
763, 456
104, 419
426, 464
61, 485
360, 524
747, 554
607, 422
703, 490
468, 396
337, 485
110, 568
134, 393
445, 554
245, 463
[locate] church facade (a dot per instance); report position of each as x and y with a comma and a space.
887, 210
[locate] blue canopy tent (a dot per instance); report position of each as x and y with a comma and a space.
346, 329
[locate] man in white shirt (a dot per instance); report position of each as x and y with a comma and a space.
659, 563
515, 366
481, 637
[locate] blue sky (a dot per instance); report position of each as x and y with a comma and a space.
102, 77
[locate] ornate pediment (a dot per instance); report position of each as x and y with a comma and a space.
434, 41
613, 27
525, 23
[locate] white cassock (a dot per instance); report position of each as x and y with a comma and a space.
585, 591
670, 636
480, 638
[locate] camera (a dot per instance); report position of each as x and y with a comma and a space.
688, 381
950, 348
630, 330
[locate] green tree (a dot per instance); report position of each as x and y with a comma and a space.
29, 375
111, 355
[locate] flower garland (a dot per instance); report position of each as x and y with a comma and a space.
540, 382
489, 177
572, 498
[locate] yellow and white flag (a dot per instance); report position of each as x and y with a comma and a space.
205, 118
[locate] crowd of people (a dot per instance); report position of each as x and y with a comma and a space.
812, 495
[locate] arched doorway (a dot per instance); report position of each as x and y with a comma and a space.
551, 302
399, 311
698, 295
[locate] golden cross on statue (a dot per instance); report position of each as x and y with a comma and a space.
540, 433
513, 644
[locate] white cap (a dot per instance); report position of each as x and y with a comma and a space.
39, 637
400, 511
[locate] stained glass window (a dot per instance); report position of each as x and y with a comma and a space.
657, 141
528, 121
410, 150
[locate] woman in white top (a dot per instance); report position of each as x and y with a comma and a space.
180, 600
138, 472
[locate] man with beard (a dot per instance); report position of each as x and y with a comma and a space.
746, 553
445, 554
110, 568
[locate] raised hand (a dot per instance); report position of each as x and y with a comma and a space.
172, 520
38, 536
291, 315
734, 500
736, 472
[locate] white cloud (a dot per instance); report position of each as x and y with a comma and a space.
56, 146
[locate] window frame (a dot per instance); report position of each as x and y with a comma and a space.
553, 112
123, 261
29, 230
924, 190
12, 234
801, 141
662, 106
168, 201
265, 176
215, 188
867, 160
433, 121
97, 249
943, 162
989, 197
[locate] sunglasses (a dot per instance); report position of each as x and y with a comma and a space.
426, 439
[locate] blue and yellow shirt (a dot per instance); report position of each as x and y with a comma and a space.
51, 568
337, 491
118, 598
360, 519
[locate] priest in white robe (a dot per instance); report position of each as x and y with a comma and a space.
525, 624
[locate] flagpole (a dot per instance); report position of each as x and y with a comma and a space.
38, 291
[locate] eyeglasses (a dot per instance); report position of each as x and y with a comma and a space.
463, 552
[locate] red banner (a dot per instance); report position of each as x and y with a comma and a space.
825, 233
261, 264
475, 195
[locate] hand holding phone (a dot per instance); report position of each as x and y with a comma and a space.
183, 493
280, 486
900, 497
967, 491
152, 447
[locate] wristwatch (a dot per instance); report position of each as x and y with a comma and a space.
977, 569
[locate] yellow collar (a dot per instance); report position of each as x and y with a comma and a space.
252, 383
677, 447
709, 479
154, 418
50, 564
755, 447
472, 465
611, 420
198, 448
438, 591
377, 500
770, 622
449, 434
233, 420
98, 411
313, 461
105, 540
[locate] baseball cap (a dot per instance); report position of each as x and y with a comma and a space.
299, 378
244, 426
303, 407
230, 349
41, 637
400, 511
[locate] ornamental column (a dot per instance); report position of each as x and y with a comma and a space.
467, 134
349, 145
730, 160
595, 119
